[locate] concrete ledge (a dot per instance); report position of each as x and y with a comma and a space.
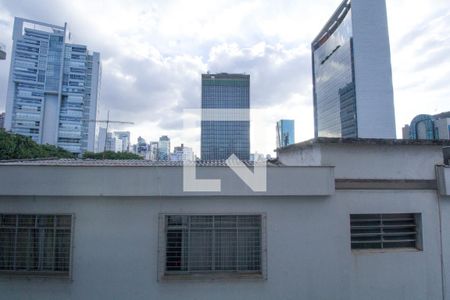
29, 180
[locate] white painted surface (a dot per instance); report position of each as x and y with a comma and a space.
369, 161
373, 74
156, 181
309, 255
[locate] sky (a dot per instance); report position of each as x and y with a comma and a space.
154, 52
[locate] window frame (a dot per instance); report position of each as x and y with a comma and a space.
161, 256
44, 274
418, 228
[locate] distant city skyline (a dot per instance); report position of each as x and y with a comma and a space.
153, 57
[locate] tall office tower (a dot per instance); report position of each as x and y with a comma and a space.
107, 141
142, 147
153, 149
352, 77
53, 87
227, 133
285, 133
123, 138
164, 148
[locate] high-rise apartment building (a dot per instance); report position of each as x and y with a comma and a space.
53, 87
153, 151
107, 141
285, 133
352, 77
182, 153
164, 148
227, 133
141, 147
428, 127
123, 138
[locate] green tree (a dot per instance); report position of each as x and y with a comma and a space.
111, 155
14, 146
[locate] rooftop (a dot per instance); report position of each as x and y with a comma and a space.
118, 163
359, 141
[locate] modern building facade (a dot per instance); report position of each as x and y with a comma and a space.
2, 120
352, 77
53, 87
182, 153
285, 133
224, 132
153, 151
117, 141
141, 147
428, 127
164, 148
124, 140
330, 226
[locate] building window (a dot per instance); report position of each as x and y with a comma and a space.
35, 244
198, 246
385, 231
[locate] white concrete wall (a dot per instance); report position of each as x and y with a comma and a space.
369, 161
445, 221
308, 239
156, 181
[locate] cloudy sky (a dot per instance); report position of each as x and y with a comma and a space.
153, 53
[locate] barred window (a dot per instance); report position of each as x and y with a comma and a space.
212, 244
385, 231
35, 244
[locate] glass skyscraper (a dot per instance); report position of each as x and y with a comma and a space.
222, 137
164, 148
353, 94
53, 87
285, 133
428, 127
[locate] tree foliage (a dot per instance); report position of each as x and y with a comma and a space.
111, 155
14, 146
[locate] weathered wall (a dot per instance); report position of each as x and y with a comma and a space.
308, 239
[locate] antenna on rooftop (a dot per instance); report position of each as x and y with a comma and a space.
107, 122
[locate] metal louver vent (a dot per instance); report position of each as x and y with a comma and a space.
385, 231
